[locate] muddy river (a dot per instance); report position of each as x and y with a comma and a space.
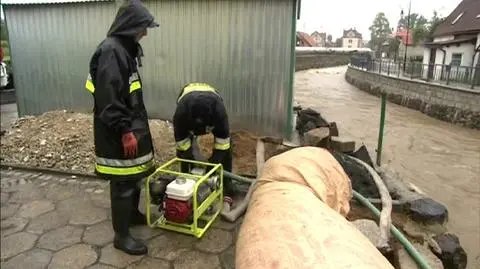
440, 158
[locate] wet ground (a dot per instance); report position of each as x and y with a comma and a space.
62, 222
440, 158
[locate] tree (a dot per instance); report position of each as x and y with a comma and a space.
434, 22
418, 25
380, 31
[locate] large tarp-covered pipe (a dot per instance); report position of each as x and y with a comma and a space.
416, 256
296, 217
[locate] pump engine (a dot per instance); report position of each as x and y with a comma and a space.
178, 203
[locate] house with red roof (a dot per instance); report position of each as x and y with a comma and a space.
305, 40
414, 51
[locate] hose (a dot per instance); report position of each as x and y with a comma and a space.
385, 221
237, 177
416, 256
233, 215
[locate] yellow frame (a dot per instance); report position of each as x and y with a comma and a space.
198, 210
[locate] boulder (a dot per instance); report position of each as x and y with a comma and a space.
428, 211
333, 129
318, 137
407, 262
309, 119
343, 144
362, 181
452, 255
363, 155
370, 229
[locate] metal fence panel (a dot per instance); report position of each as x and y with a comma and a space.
461, 76
50, 47
243, 48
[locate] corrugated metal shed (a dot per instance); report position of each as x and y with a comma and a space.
242, 47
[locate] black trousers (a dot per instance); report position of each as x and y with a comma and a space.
197, 155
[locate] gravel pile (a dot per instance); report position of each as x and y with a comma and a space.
64, 140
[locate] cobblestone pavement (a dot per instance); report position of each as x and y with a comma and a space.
59, 222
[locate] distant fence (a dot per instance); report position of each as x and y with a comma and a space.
463, 76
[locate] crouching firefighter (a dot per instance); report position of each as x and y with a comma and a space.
123, 144
200, 110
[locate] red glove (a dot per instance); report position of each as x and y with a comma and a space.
129, 142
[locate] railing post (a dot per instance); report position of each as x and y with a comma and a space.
398, 69
449, 69
411, 70
474, 73
380, 131
380, 67
388, 68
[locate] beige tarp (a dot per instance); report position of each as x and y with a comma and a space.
295, 218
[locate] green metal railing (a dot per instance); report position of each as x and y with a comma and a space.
381, 128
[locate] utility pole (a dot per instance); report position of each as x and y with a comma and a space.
407, 38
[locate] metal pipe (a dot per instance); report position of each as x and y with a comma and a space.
474, 69
380, 132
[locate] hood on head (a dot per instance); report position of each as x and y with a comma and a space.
132, 17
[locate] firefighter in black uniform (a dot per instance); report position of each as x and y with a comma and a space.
123, 144
200, 110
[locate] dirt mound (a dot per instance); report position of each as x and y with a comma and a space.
244, 146
64, 140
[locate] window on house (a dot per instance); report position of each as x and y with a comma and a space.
456, 59
457, 18
350, 41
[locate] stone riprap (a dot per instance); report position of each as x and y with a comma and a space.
447, 103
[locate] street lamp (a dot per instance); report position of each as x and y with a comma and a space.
407, 37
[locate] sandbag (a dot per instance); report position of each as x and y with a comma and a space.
296, 217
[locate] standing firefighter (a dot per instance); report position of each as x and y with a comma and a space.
200, 110
123, 144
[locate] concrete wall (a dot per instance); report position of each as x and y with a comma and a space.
308, 60
446, 103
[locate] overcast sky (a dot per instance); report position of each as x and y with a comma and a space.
335, 15
332, 16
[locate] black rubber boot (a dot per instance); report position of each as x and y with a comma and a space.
137, 217
121, 195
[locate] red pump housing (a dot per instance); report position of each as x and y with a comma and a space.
177, 211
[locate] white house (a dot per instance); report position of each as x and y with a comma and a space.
455, 48
351, 39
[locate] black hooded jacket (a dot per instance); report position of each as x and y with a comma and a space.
117, 90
